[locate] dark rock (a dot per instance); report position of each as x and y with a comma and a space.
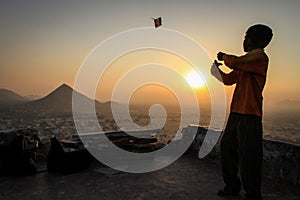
18, 159
59, 161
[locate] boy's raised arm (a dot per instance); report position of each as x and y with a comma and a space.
254, 62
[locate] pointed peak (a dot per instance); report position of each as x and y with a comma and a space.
63, 89
64, 85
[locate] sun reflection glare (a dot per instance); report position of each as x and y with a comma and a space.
194, 80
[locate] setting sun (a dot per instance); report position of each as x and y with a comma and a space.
194, 80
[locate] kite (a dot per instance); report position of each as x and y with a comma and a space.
157, 22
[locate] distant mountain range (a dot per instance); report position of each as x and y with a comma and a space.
8, 97
32, 97
57, 101
285, 106
60, 101
283, 110
288, 105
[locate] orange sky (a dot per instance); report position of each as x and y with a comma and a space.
44, 43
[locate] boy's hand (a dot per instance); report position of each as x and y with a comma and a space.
214, 70
217, 64
220, 56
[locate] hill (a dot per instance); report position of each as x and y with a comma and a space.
8, 97
56, 103
59, 101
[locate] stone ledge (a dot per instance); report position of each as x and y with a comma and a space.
281, 160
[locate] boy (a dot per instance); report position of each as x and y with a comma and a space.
241, 143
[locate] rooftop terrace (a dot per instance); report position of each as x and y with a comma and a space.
187, 178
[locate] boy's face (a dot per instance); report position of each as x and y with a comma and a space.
247, 43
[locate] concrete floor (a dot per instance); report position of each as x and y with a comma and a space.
187, 178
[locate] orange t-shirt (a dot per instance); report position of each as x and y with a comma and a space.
249, 75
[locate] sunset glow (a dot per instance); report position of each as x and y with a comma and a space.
45, 43
194, 80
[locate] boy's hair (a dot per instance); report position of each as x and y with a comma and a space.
260, 35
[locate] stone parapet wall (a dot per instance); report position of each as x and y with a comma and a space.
281, 160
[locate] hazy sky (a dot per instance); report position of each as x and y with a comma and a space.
43, 43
